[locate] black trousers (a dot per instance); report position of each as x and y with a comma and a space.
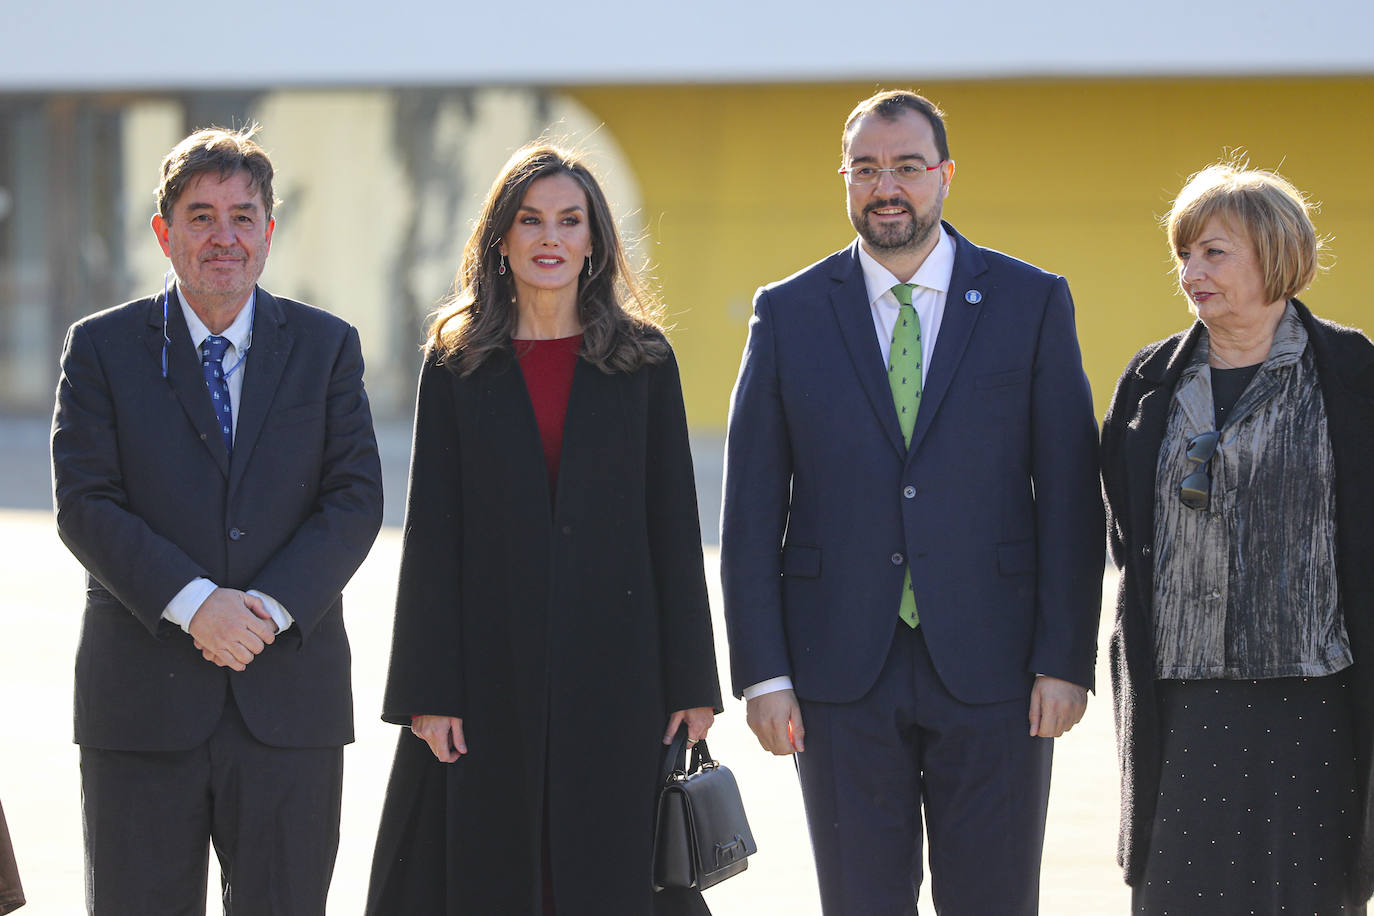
871, 766
271, 813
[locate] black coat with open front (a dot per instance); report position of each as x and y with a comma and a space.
1131, 436
563, 633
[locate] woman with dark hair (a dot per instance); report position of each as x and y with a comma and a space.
1236, 466
552, 628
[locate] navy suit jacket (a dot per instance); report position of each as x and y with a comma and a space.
148, 499
995, 505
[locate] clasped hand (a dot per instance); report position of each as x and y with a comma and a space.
231, 627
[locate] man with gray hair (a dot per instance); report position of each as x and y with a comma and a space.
216, 473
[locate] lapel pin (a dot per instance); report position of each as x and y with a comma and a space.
973, 297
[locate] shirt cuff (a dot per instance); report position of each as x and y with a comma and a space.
184, 605
772, 685
279, 615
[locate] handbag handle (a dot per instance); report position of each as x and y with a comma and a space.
675, 756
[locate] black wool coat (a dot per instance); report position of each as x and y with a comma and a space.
1131, 437
563, 635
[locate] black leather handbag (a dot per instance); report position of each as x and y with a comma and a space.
702, 836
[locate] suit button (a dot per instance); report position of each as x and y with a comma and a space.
1145, 551
898, 559
909, 492
235, 534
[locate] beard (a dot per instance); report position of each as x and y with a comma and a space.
895, 236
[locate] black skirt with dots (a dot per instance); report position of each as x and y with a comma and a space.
1257, 805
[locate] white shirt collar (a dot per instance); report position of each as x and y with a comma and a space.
934, 273
240, 333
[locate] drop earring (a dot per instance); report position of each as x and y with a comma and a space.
501, 269
589, 265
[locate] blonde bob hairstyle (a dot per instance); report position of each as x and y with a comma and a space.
1273, 214
619, 315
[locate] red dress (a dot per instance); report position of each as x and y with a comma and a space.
548, 369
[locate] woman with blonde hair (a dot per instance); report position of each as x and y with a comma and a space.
1236, 467
552, 628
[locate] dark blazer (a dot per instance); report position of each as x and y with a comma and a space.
148, 499
562, 632
994, 505
1131, 438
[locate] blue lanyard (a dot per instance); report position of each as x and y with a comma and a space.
166, 338
235, 368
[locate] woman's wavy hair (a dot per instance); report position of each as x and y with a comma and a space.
621, 330
1264, 205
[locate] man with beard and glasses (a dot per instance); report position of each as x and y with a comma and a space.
216, 473
912, 537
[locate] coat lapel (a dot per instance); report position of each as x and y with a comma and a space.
849, 299
262, 371
1347, 384
580, 420
1347, 387
517, 429
184, 375
1157, 377
956, 327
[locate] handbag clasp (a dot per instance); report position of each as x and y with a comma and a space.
726, 852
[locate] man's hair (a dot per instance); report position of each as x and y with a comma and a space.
1262, 204
222, 151
889, 106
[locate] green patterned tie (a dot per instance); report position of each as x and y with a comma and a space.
904, 377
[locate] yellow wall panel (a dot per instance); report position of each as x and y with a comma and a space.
739, 189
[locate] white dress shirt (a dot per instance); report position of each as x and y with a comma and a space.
186, 602
932, 281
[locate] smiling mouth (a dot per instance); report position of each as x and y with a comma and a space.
548, 261
887, 209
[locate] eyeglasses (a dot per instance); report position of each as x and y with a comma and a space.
908, 173
1196, 490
